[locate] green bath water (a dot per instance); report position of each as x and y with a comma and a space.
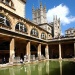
41, 68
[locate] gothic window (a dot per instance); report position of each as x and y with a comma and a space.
4, 20
48, 28
7, 2
43, 36
34, 32
21, 27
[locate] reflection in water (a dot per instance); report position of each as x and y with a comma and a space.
68, 68
41, 68
25, 69
60, 67
28, 69
47, 67
11, 71
54, 68
33, 67
3, 71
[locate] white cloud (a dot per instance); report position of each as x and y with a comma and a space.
61, 11
62, 33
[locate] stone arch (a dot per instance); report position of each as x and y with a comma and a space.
34, 32
12, 4
4, 20
21, 27
43, 35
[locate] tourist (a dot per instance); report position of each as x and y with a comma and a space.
21, 61
4, 60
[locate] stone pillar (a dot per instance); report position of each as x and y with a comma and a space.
12, 48
74, 50
47, 52
60, 51
39, 51
28, 51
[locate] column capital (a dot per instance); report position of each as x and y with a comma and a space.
59, 42
39, 43
12, 37
28, 41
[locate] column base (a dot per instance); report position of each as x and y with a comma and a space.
47, 57
60, 58
11, 61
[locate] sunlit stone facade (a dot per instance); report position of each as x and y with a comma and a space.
20, 38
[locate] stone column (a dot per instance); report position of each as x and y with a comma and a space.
39, 51
12, 48
28, 51
74, 50
60, 51
47, 52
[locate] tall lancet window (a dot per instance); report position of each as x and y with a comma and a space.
7, 2
43, 36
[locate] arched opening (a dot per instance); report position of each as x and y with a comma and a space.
43, 36
21, 27
34, 50
67, 50
4, 49
8, 2
54, 51
4, 21
20, 48
34, 32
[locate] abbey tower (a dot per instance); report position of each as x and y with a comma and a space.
39, 17
56, 27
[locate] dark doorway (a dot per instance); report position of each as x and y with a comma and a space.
4, 51
33, 50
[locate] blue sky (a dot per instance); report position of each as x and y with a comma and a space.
65, 9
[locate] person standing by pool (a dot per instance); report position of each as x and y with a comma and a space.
4, 60
21, 61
